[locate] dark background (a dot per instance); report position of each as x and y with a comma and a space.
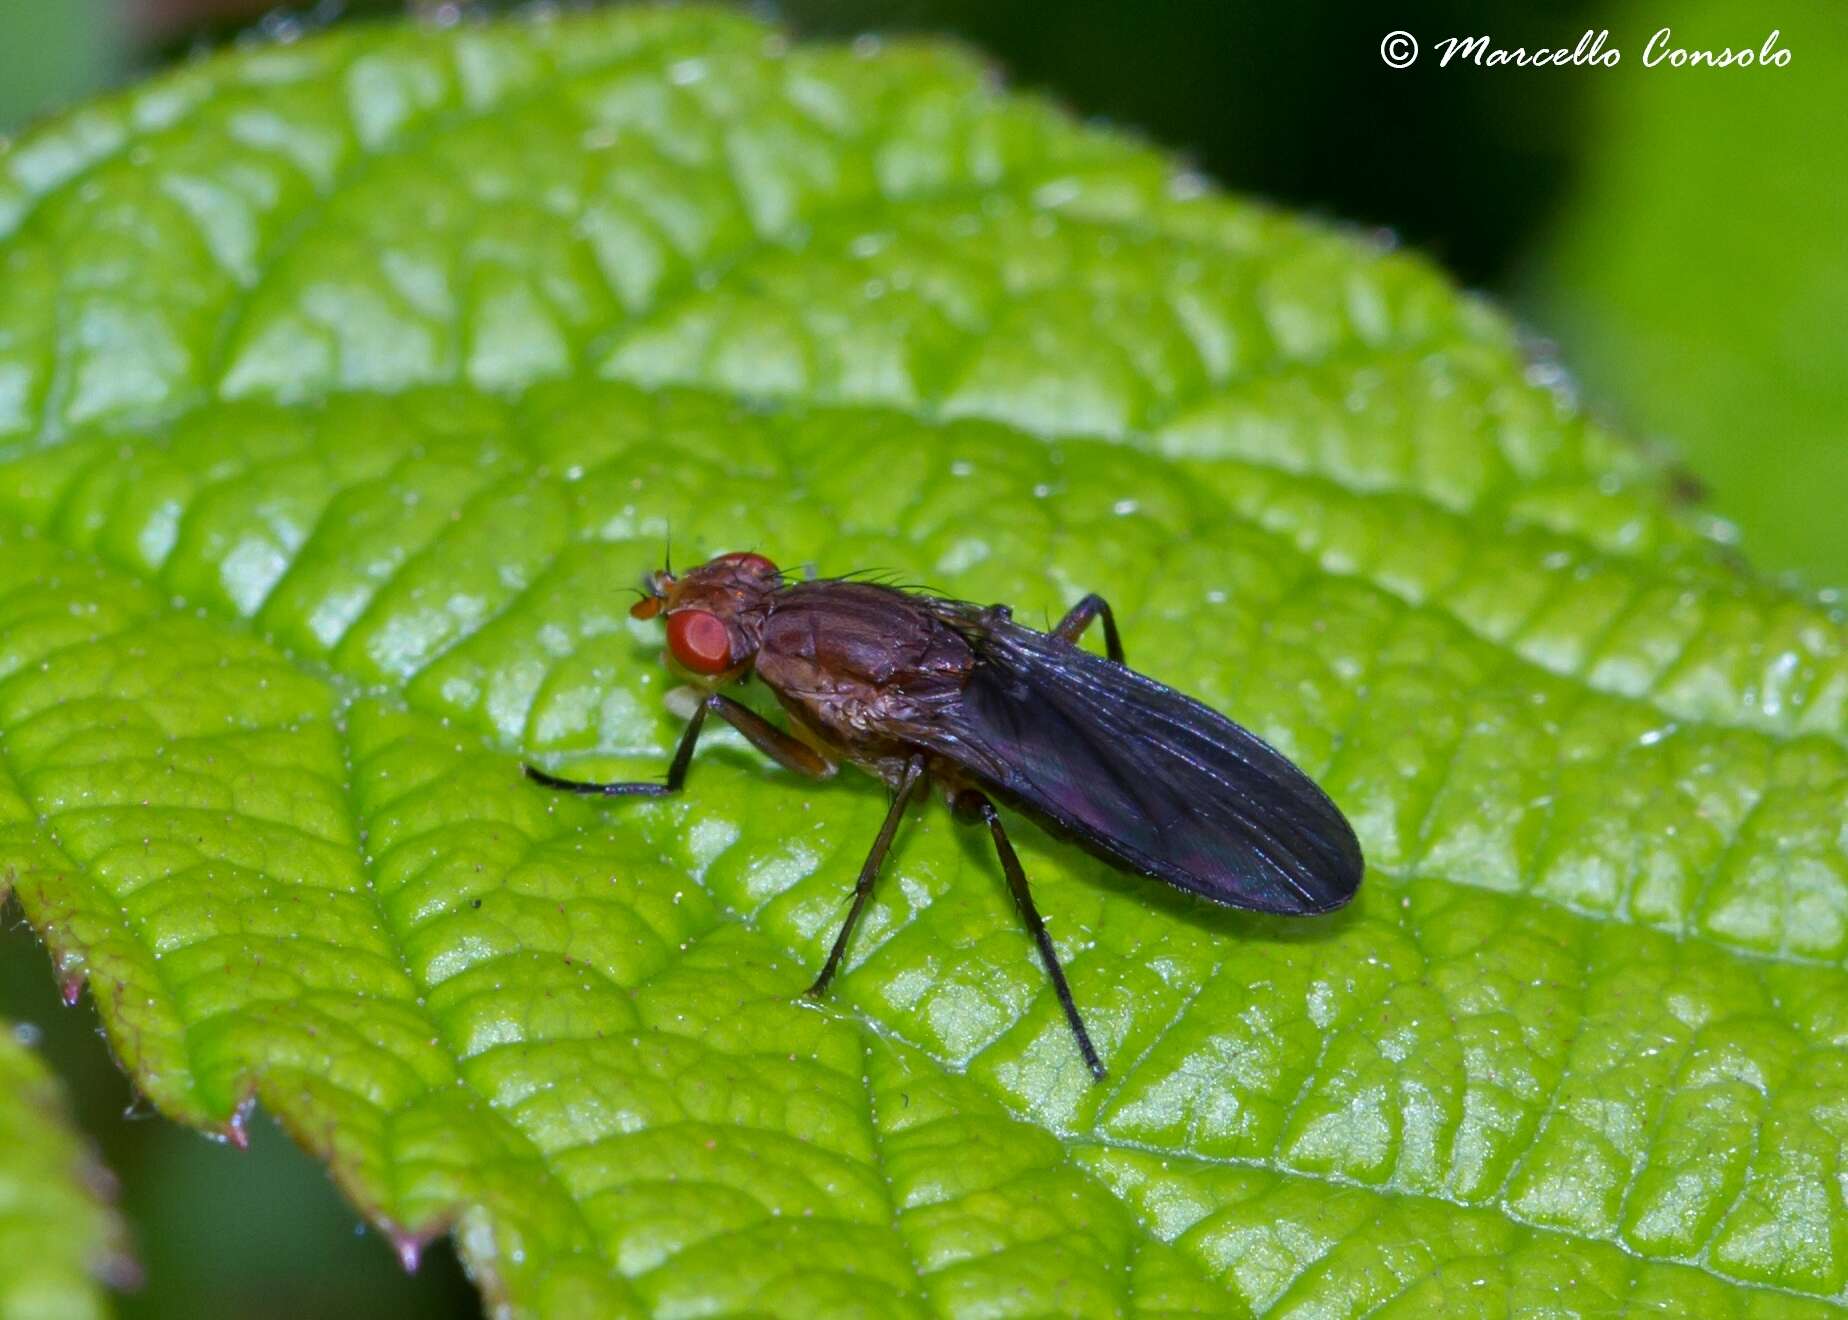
1681, 234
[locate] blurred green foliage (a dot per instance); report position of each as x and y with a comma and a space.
1698, 278
53, 52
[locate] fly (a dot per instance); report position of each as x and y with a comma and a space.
916, 688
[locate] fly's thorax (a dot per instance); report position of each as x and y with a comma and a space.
861, 665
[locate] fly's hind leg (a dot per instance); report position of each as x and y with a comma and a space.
973, 805
863, 888
1079, 617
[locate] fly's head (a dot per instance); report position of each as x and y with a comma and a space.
715, 613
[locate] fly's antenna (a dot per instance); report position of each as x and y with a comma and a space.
667, 549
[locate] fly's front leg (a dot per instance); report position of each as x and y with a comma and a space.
863, 888
788, 752
676, 773
969, 803
1079, 617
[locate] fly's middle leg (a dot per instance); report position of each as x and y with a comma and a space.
863, 887
1079, 617
973, 805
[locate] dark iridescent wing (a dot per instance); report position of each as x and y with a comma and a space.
1143, 775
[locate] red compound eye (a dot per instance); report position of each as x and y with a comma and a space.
699, 641
751, 560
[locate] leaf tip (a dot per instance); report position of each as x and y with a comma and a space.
409, 1247
236, 1129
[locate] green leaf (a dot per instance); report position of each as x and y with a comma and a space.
1697, 276
345, 386
60, 1239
